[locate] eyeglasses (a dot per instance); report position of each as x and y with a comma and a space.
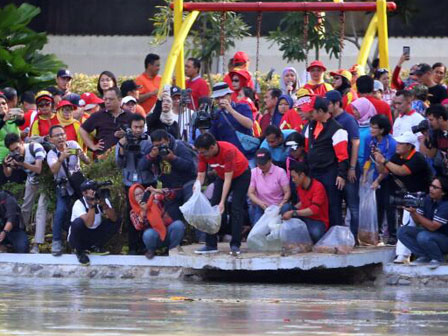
43, 104
435, 187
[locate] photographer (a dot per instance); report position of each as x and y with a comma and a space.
429, 241
129, 153
11, 226
410, 172
174, 164
93, 221
28, 158
435, 142
64, 163
163, 117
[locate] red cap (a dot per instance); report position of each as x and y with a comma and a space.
316, 64
305, 103
63, 103
90, 100
240, 57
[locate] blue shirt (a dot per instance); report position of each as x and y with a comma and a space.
351, 126
280, 153
436, 211
224, 132
387, 147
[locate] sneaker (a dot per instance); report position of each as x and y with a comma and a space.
401, 259
35, 249
206, 250
149, 254
99, 251
420, 261
83, 258
235, 251
433, 264
56, 248
391, 241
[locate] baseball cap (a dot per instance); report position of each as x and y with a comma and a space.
305, 103
74, 98
377, 86
128, 99
63, 103
129, 85
318, 64
343, 73
421, 69
220, 90
175, 90
407, 137
64, 73
44, 95
55, 91
90, 100
9, 92
333, 96
262, 156
240, 57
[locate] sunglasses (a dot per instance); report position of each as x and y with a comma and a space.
43, 104
235, 80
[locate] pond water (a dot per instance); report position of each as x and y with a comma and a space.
171, 307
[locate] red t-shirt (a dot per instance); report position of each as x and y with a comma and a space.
199, 88
229, 159
41, 127
292, 120
316, 199
381, 107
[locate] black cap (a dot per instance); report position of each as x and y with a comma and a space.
421, 69
64, 73
262, 156
175, 90
128, 85
9, 93
87, 185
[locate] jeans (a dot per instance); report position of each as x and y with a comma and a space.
61, 218
82, 238
19, 240
328, 179
31, 191
382, 200
239, 188
255, 212
316, 229
424, 243
351, 196
174, 235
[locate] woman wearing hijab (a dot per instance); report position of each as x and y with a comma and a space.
342, 83
284, 104
163, 117
64, 114
363, 111
289, 82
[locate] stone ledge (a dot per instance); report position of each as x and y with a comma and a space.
406, 275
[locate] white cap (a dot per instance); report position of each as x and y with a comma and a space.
128, 99
407, 137
220, 90
377, 86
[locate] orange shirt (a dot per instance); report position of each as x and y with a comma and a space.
148, 85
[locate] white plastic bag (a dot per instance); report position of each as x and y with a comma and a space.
368, 224
295, 236
260, 238
338, 240
199, 213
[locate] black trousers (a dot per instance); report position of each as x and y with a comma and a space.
82, 238
239, 188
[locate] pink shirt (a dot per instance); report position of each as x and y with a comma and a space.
269, 187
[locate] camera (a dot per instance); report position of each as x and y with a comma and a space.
164, 150
204, 117
100, 192
423, 126
61, 184
407, 199
132, 142
17, 157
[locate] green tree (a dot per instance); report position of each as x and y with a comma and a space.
205, 36
22, 65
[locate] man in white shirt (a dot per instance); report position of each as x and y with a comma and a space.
93, 222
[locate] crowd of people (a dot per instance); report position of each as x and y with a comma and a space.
305, 147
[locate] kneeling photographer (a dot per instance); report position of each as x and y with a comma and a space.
434, 144
174, 164
130, 151
429, 241
93, 221
410, 173
11, 224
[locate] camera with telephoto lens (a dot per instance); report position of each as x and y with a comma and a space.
423, 126
408, 199
132, 142
100, 192
61, 185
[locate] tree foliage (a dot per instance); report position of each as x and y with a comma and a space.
22, 65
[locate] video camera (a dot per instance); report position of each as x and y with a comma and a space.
204, 117
423, 126
132, 142
407, 199
100, 192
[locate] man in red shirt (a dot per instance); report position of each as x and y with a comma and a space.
199, 87
233, 175
365, 89
313, 205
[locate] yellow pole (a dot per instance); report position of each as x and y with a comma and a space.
176, 48
383, 44
367, 42
180, 68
